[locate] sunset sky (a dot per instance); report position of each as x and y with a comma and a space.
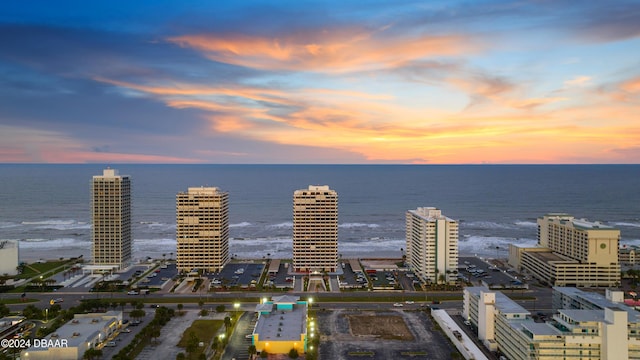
413, 82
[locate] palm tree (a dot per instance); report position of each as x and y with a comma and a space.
137, 313
252, 351
155, 333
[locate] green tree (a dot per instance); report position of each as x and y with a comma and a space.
92, 353
180, 307
220, 308
180, 356
264, 354
204, 312
32, 312
293, 353
200, 304
227, 322
155, 333
137, 313
252, 351
192, 343
4, 310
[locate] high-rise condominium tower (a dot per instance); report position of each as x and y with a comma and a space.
315, 229
202, 229
432, 245
111, 217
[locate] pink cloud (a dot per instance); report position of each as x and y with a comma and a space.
325, 51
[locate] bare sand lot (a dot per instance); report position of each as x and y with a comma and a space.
381, 335
389, 327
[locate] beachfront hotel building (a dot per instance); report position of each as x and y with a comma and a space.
595, 327
571, 252
315, 229
111, 218
202, 229
432, 245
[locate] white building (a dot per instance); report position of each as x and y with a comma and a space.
111, 217
432, 245
9, 257
608, 333
202, 229
73, 339
315, 229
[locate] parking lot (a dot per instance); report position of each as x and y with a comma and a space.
244, 275
159, 276
349, 279
78, 281
282, 278
383, 280
476, 270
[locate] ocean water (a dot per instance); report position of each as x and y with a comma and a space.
46, 207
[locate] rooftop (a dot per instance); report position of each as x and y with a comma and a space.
583, 315
550, 256
430, 214
503, 302
84, 327
282, 325
540, 329
598, 301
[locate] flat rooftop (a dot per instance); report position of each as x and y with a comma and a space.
83, 328
282, 325
583, 315
550, 256
597, 300
541, 329
503, 302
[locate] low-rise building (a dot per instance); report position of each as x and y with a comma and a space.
281, 325
74, 338
594, 327
629, 255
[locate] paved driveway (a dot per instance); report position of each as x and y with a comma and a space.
165, 347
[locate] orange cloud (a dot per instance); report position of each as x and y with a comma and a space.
578, 81
631, 86
507, 129
325, 51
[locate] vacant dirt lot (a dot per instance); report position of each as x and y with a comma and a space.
351, 334
390, 327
